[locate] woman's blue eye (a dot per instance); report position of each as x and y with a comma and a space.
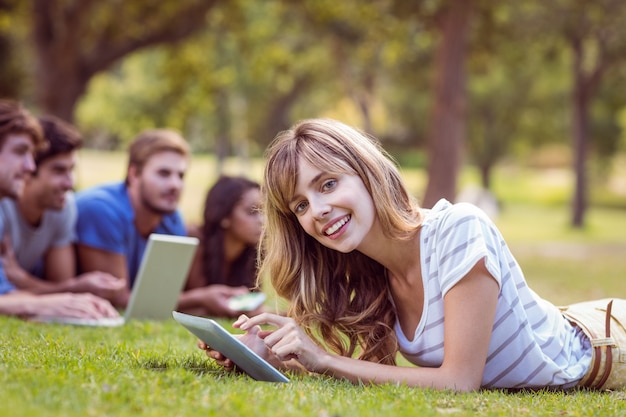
328, 185
300, 207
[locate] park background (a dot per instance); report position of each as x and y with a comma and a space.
525, 99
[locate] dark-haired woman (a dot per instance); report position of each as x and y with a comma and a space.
225, 262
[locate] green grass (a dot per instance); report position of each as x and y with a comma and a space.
154, 369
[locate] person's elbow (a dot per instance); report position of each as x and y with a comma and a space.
464, 380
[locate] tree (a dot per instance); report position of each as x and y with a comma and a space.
447, 130
594, 32
76, 39
502, 65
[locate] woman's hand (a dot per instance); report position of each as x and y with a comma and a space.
215, 299
251, 339
288, 342
217, 356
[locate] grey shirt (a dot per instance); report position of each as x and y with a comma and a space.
31, 244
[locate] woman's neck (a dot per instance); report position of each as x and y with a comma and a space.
399, 256
233, 248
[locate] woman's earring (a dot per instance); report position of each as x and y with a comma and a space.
225, 223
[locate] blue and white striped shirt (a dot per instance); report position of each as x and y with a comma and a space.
532, 345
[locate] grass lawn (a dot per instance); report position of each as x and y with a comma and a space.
154, 369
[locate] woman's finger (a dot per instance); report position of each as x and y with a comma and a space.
263, 318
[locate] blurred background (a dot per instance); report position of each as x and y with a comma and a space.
450, 87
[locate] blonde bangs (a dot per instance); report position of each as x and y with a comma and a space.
280, 177
281, 170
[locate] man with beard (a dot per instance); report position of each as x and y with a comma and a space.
20, 136
116, 219
40, 223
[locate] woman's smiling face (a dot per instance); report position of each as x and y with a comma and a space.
335, 209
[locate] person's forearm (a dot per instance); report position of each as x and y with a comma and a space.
16, 303
365, 372
27, 282
191, 300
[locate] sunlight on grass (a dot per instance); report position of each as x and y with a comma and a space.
154, 369
532, 223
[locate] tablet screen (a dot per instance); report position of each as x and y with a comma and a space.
214, 335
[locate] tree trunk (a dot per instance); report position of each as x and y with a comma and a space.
222, 137
59, 88
580, 125
485, 175
447, 131
279, 107
72, 45
59, 81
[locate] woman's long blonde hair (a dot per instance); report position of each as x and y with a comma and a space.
342, 296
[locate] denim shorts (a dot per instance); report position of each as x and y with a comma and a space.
604, 323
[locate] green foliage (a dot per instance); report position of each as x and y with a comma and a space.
122, 103
12, 77
257, 76
411, 159
259, 66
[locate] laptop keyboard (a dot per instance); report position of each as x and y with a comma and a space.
101, 322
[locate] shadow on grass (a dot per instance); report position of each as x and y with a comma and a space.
191, 364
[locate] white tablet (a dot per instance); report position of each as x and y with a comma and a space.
214, 335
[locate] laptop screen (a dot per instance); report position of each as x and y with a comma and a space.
161, 277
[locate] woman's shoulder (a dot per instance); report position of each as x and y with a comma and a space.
448, 218
446, 211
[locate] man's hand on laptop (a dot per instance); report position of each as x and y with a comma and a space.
73, 305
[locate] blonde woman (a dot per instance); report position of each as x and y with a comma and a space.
371, 273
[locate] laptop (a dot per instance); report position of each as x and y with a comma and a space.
161, 277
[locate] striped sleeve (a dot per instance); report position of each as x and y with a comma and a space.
464, 238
